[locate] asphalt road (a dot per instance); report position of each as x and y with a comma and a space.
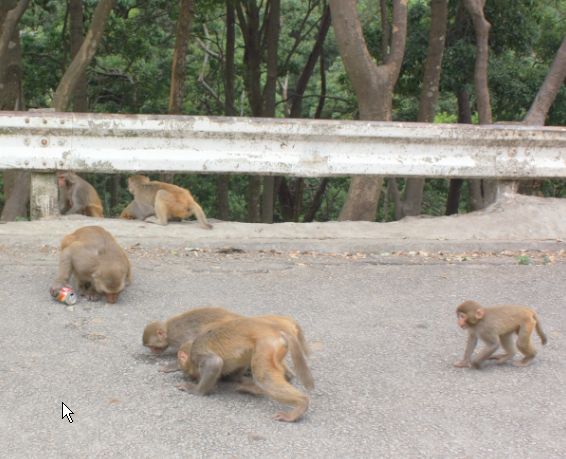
384, 336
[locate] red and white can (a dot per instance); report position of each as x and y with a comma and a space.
65, 295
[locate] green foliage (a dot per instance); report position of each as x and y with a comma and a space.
132, 69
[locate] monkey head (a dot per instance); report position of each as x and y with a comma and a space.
469, 313
155, 337
109, 281
135, 181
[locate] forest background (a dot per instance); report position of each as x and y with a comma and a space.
442, 61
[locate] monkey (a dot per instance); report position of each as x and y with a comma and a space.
167, 201
159, 336
247, 343
77, 196
94, 258
137, 211
496, 326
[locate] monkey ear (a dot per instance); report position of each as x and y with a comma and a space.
182, 356
161, 333
480, 312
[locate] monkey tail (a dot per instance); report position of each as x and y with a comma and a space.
199, 214
540, 333
303, 341
299, 361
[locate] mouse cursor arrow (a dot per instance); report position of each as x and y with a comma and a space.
66, 412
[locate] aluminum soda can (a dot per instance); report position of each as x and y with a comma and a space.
65, 295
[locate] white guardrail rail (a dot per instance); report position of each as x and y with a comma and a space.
45, 142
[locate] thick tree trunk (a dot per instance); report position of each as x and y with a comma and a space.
80, 95
10, 14
373, 85
16, 183
413, 200
549, 89
83, 58
178, 64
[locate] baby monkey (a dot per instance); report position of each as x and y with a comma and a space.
496, 326
253, 343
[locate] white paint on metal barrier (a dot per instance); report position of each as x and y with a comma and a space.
45, 142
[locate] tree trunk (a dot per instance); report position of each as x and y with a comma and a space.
413, 200
83, 58
269, 93
373, 86
178, 64
549, 89
16, 183
250, 26
464, 117
296, 102
485, 193
10, 14
223, 181
80, 94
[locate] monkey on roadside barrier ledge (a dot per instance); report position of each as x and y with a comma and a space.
159, 336
253, 343
94, 258
77, 196
497, 326
166, 201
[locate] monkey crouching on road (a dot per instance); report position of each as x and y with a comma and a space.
255, 343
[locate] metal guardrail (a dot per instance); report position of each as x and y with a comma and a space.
46, 142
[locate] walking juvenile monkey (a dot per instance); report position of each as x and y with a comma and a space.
254, 343
94, 258
168, 201
77, 196
159, 336
496, 326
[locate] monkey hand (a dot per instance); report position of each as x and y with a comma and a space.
188, 387
170, 368
476, 364
463, 364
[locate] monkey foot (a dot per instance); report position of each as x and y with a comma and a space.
186, 387
284, 417
463, 364
523, 363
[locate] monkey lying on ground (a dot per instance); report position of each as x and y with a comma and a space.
77, 196
496, 326
94, 258
166, 201
158, 336
233, 346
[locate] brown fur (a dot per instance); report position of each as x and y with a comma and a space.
496, 326
94, 258
253, 343
167, 201
159, 336
77, 196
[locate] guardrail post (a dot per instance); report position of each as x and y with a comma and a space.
505, 188
43, 196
